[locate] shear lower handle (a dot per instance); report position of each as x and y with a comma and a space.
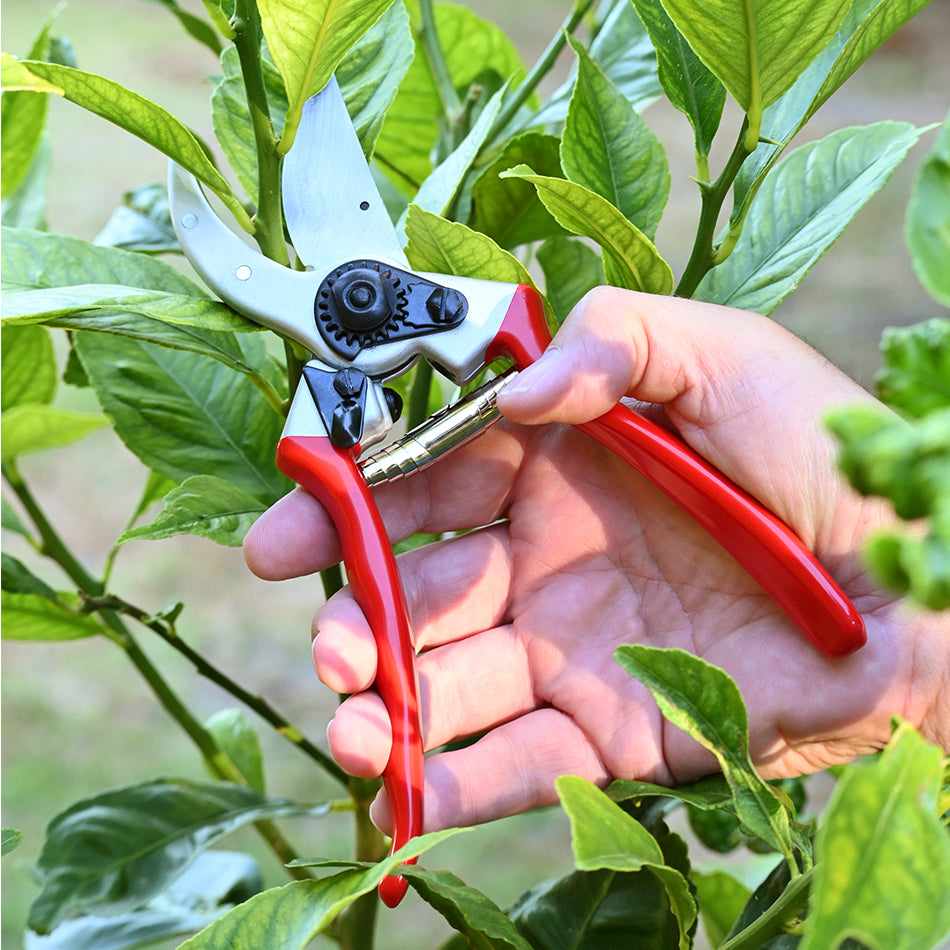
333, 478
769, 551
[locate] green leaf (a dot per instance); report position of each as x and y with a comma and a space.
183, 414
51, 304
446, 247
16, 76
308, 39
215, 881
915, 379
194, 26
117, 850
288, 918
883, 455
757, 49
23, 116
231, 117
801, 209
927, 229
144, 119
721, 898
28, 372
704, 701
37, 259
206, 506
370, 74
867, 25
609, 149
141, 223
238, 740
508, 210
688, 84
34, 428
26, 206
38, 617
11, 520
883, 857
709, 792
439, 189
571, 269
603, 836
10, 840
472, 46
470, 912
598, 910
636, 263
622, 49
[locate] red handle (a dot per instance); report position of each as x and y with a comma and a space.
333, 478
769, 551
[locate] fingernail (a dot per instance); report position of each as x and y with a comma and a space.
528, 379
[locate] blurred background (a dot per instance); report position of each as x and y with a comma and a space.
75, 718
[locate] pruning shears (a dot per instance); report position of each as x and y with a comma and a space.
365, 317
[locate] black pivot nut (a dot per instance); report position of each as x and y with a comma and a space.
361, 300
444, 305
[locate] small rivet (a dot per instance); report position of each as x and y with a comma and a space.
364, 206
189, 221
243, 272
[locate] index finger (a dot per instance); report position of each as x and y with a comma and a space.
467, 489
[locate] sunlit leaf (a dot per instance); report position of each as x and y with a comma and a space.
757, 49
883, 857
141, 223
308, 39
636, 262
705, 702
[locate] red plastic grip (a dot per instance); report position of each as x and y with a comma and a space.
332, 476
769, 551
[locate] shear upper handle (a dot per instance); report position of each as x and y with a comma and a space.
769, 551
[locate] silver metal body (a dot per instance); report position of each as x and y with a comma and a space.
334, 215
447, 430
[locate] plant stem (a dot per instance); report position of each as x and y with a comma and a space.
703, 255
790, 905
51, 544
258, 704
268, 220
219, 764
417, 409
541, 68
435, 56
217, 761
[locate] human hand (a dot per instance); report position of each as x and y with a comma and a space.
517, 622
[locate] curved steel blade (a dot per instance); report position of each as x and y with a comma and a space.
332, 206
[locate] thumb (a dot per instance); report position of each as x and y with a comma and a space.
614, 343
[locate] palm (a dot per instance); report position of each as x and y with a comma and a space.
518, 624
